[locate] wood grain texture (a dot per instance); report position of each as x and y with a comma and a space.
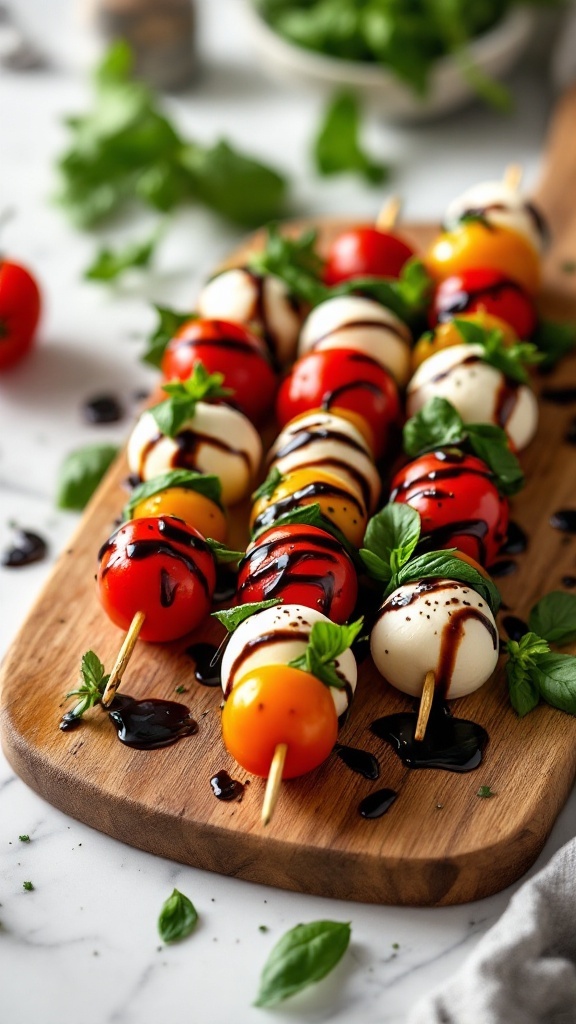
439, 844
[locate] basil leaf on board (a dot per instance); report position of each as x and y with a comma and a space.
169, 323
554, 618
554, 340
232, 617
304, 955
80, 474
446, 565
435, 425
555, 677
326, 642
390, 539
109, 264
91, 688
337, 148
178, 918
203, 483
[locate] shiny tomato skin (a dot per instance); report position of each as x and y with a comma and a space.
193, 508
279, 704
344, 381
230, 349
482, 289
162, 567
365, 251
299, 565
20, 304
458, 502
472, 244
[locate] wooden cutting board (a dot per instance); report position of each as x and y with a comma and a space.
439, 843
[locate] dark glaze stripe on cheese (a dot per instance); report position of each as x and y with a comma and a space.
363, 325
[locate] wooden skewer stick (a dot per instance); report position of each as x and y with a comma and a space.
273, 783
389, 214
513, 176
425, 705
124, 655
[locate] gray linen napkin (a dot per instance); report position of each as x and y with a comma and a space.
523, 971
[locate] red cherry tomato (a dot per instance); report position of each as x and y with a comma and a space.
279, 704
458, 503
230, 349
300, 565
488, 291
365, 252
19, 312
162, 567
346, 382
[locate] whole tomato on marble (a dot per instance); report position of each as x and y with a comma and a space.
20, 305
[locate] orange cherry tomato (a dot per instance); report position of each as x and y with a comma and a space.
195, 509
447, 334
279, 704
473, 244
340, 504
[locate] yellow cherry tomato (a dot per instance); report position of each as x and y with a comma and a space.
473, 244
195, 509
447, 334
279, 704
339, 502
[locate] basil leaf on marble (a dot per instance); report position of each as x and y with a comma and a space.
80, 474
304, 955
337, 148
177, 919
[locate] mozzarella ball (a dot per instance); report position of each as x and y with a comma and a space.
353, 322
275, 636
502, 206
218, 439
329, 442
435, 625
262, 302
478, 391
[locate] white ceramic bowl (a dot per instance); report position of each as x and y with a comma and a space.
495, 52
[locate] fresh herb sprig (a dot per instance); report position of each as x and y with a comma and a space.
295, 260
311, 515
326, 642
511, 360
533, 671
439, 425
169, 323
304, 955
407, 296
91, 688
178, 918
109, 263
183, 397
337, 148
232, 617
553, 617
389, 544
206, 484
554, 340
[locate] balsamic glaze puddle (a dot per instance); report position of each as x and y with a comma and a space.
102, 409
516, 541
559, 396
28, 547
226, 788
151, 723
360, 761
569, 581
376, 804
515, 627
564, 519
208, 660
450, 744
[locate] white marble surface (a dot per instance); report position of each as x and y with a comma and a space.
82, 947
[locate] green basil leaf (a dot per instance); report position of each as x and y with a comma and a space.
203, 483
232, 617
183, 397
178, 918
490, 444
92, 686
267, 488
310, 515
169, 323
407, 296
511, 360
554, 341
436, 425
326, 642
172, 414
391, 535
234, 184
304, 955
554, 618
555, 677
444, 564
80, 474
524, 695
223, 554
109, 264
337, 148
295, 261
